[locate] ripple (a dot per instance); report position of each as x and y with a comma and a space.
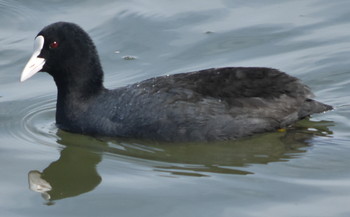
11, 9
37, 122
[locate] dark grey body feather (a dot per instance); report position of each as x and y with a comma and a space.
212, 104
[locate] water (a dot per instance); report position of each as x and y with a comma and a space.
301, 172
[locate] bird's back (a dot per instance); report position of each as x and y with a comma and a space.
213, 104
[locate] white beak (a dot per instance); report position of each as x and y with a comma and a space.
35, 63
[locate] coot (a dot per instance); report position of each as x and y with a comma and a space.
211, 104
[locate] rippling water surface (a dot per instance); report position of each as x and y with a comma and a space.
301, 172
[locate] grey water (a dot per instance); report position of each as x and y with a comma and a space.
302, 171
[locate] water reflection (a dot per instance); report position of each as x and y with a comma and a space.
230, 157
75, 173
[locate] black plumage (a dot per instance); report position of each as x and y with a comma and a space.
211, 104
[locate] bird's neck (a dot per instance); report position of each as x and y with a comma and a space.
80, 89
74, 95
79, 81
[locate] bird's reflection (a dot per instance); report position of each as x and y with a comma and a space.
230, 157
72, 174
75, 173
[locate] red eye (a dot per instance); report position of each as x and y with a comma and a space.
54, 44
